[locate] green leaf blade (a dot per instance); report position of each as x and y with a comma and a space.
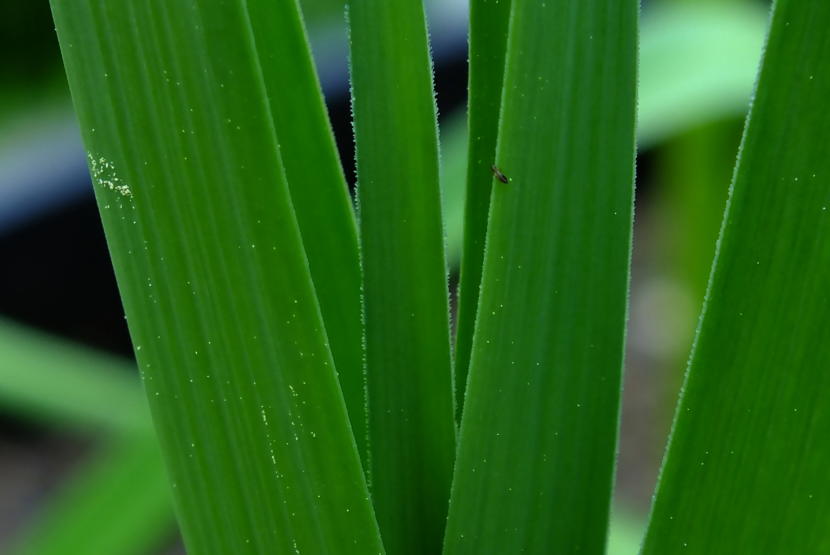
751, 428
411, 422
318, 191
697, 65
488, 41
538, 431
214, 279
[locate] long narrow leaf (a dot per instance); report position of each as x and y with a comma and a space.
488, 40
215, 283
751, 430
538, 432
697, 65
318, 190
411, 426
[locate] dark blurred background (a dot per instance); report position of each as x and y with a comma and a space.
73, 438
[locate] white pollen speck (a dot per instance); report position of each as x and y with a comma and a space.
103, 172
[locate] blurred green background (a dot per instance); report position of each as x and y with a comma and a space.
75, 437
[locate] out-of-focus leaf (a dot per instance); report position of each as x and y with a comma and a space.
56, 382
117, 504
697, 64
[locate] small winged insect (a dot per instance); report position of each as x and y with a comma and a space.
500, 176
